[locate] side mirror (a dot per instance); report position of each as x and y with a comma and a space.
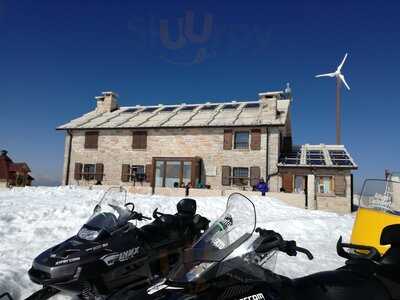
391, 235
96, 209
130, 206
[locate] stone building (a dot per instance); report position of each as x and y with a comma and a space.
219, 146
13, 174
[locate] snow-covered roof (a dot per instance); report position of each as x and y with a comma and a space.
234, 113
318, 156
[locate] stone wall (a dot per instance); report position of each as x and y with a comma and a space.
3, 184
115, 149
319, 201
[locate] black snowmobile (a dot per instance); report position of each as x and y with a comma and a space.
228, 262
110, 252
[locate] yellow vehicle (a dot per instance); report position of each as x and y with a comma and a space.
379, 207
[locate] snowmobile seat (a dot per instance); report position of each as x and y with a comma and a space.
390, 262
161, 231
186, 207
343, 284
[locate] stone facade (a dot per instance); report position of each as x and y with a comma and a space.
328, 202
115, 149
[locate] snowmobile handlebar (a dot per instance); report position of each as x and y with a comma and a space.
271, 240
139, 216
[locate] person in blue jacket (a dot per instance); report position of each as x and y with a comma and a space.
262, 187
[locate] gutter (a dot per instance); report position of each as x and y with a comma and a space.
267, 160
69, 132
172, 127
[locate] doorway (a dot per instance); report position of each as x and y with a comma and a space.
173, 172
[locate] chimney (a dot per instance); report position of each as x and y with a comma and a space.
3, 152
268, 103
107, 102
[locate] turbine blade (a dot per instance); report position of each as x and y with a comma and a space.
326, 75
344, 81
342, 63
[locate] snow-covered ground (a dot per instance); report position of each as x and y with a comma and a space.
36, 218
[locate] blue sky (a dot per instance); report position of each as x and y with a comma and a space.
57, 55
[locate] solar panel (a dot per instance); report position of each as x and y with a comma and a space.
342, 162
292, 158
290, 161
337, 152
316, 162
209, 107
169, 108
189, 108
150, 109
314, 152
340, 156
231, 106
131, 110
252, 105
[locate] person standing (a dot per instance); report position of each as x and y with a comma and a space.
262, 187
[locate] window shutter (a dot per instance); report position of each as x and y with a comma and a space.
228, 139
197, 168
226, 175
255, 173
340, 185
255, 139
91, 139
149, 173
78, 171
139, 140
287, 183
125, 173
99, 172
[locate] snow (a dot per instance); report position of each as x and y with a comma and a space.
33, 219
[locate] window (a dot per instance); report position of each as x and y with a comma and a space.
91, 139
240, 176
89, 171
299, 183
242, 140
137, 173
325, 184
177, 171
139, 140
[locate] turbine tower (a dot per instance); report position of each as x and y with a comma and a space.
339, 79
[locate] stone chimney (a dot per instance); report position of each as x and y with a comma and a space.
269, 103
107, 102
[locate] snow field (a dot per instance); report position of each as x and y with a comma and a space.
33, 219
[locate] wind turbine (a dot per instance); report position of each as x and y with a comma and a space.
339, 79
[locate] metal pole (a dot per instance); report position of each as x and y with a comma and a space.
338, 116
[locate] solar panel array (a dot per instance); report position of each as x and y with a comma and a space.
292, 158
317, 158
340, 158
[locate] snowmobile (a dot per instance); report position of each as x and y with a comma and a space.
231, 261
110, 251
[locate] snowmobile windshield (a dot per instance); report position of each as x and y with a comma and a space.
381, 195
232, 229
108, 214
